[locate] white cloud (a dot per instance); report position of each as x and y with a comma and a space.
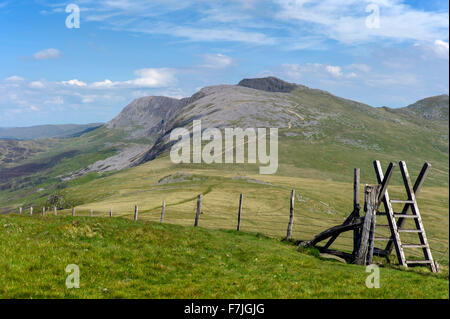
441, 48
57, 100
334, 70
37, 85
217, 61
151, 78
14, 78
360, 67
47, 54
74, 82
345, 20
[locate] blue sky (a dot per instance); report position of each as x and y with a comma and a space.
380, 52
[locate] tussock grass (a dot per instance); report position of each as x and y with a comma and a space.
119, 258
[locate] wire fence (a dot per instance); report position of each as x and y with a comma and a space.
259, 219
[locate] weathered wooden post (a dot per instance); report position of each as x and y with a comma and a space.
365, 249
291, 216
110, 212
136, 209
163, 210
241, 197
91, 213
55, 210
20, 210
356, 207
43, 210
31, 210
73, 211
199, 209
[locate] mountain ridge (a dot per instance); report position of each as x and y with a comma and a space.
318, 132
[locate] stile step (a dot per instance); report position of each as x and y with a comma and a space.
405, 216
414, 246
382, 238
400, 201
412, 262
409, 231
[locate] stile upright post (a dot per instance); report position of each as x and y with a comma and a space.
291, 216
136, 209
73, 211
241, 197
365, 248
199, 209
163, 211
356, 207
31, 210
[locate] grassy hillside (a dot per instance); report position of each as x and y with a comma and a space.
321, 139
119, 258
320, 202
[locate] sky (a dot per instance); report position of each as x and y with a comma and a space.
54, 70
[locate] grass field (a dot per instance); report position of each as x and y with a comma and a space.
319, 203
119, 258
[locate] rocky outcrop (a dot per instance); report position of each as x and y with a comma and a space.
269, 84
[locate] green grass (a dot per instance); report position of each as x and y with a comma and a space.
319, 204
119, 258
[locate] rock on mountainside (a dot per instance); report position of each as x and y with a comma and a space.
433, 108
147, 115
268, 102
269, 84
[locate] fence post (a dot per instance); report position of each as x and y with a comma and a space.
240, 212
20, 210
73, 211
365, 248
43, 210
356, 207
92, 212
136, 209
31, 210
163, 210
56, 210
291, 216
110, 212
199, 209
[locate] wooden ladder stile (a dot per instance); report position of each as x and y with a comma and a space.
384, 198
410, 204
415, 212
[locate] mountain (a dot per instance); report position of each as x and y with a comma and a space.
433, 108
46, 131
269, 84
319, 135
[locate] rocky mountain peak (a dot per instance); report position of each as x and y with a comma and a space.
146, 111
268, 84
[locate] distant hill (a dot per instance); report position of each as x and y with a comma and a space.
319, 135
46, 131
